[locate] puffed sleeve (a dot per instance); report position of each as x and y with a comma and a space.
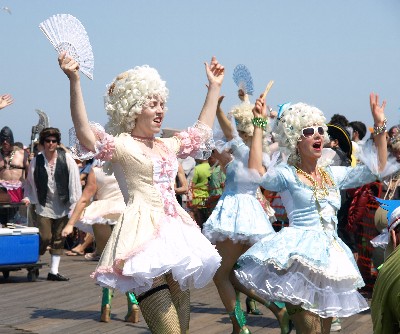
276, 178
368, 155
196, 141
104, 146
352, 177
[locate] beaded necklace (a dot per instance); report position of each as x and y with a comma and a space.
322, 191
143, 139
7, 163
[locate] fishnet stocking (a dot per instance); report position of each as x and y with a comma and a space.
305, 322
326, 325
181, 300
158, 310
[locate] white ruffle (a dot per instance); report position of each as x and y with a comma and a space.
381, 240
368, 155
190, 258
300, 284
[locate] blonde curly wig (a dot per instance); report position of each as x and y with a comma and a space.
292, 121
129, 94
243, 116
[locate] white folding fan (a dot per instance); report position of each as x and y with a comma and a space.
67, 33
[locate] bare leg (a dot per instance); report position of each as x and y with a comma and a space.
230, 252
280, 313
86, 243
101, 234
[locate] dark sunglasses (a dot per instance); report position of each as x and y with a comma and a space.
310, 131
50, 140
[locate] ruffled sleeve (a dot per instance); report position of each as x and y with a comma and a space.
277, 176
352, 177
104, 146
381, 240
196, 141
368, 155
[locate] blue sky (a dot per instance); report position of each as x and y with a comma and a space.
330, 54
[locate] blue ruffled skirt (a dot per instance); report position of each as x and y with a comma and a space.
240, 218
313, 268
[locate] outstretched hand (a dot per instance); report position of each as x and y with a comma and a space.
5, 100
378, 111
215, 72
68, 65
260, 107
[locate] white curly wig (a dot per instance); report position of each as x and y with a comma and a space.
128, 94
243, 116
292, 121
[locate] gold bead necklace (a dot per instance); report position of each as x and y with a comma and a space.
322, 191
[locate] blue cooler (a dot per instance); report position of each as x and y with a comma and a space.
19, 245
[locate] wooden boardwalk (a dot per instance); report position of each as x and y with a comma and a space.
73, 307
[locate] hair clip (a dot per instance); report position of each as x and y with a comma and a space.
282, 108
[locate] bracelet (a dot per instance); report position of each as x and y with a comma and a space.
259, 122
379, 129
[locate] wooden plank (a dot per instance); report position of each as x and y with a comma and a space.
73, 307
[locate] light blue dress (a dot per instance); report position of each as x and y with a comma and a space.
307, 263
238, 215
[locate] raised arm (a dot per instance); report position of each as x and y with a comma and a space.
215, 74
378, 113
5, 100
77, 105
223, 121
88, 192
256, 152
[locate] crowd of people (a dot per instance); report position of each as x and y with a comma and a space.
171, 213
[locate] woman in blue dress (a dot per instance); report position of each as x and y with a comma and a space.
306, 265
238, 220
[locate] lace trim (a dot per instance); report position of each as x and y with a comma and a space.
104, 146
340, 300
197, 141
359, 283
218, 235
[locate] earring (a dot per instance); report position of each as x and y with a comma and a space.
298, 157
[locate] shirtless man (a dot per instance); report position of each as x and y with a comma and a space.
13, 170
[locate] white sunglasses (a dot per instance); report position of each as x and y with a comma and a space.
311, 130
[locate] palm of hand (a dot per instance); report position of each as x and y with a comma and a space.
5, 101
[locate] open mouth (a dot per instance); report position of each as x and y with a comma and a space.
158, 120
317, 145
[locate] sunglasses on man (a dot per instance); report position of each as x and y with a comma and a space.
311, 130
51, 141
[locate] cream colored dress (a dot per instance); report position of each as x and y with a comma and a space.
154, 235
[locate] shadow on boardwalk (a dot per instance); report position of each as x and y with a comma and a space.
72, 307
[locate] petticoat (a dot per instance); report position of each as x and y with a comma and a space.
179, 248
292, 268
105, 212
238, 217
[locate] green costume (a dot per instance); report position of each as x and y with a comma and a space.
385, 305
